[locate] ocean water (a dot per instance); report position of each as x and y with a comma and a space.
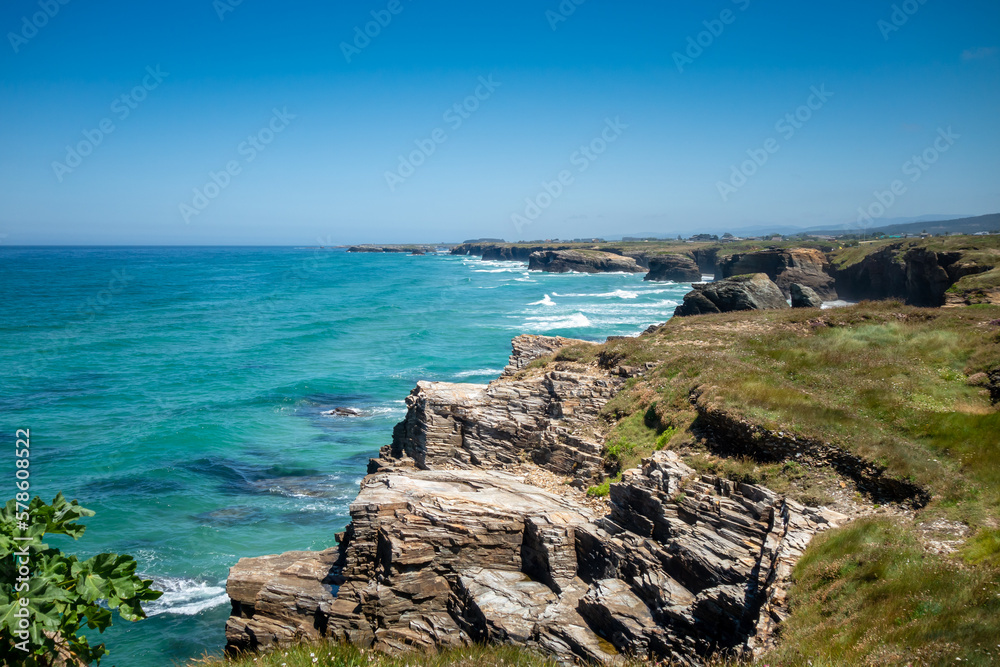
181, 392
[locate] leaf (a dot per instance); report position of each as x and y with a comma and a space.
66, 594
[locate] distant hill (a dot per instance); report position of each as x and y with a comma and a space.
981, 223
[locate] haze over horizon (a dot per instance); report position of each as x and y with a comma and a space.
241, 123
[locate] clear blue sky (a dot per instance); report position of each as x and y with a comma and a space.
324, 174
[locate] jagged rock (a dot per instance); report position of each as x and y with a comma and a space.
676, 268
753, 292
544, 417
528, 348
277, 599
582, 261
445, 548
684, 565
806, 266
804, 297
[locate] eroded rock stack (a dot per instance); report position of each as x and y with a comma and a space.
673, 267
449, 545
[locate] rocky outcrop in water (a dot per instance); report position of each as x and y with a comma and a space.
503, 251
804, 297
450, 544
582, 261
413, 250
804, 266
675, 268
753, 292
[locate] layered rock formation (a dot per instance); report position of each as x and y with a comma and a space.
806, 266
545, 418
752, 292
676, 268
582, 261
448, 543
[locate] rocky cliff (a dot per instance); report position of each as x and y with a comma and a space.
459, 534
582, 261
502, 251
917, 274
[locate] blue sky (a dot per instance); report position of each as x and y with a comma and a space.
209, 85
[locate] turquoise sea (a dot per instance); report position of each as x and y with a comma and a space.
180, 393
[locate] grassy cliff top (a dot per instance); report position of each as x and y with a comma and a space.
670, 247
980, 249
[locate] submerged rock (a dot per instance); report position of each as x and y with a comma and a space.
342, 412
752, 292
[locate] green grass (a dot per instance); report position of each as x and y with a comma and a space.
984, 548
870, 594
335, 655
603, 489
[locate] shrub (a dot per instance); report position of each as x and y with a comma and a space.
63, 594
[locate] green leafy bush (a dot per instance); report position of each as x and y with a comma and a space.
63, 594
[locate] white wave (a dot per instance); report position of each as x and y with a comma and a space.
386, 410
707, 278
547, 301
840, 303
477, 373
617, 294
507, 270
575, 321
679, 289
335, 506
185, 597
